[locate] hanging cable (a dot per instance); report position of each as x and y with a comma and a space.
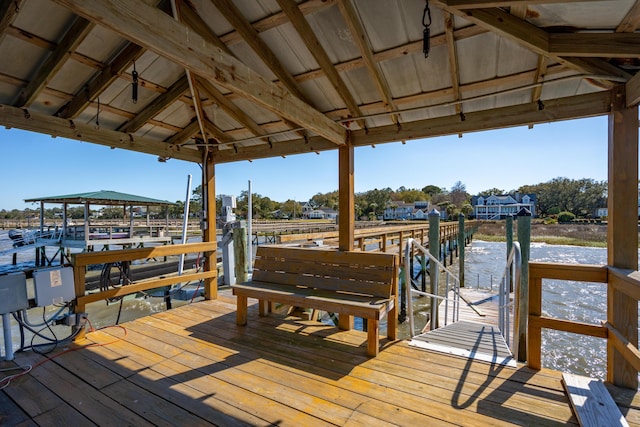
98, 114
134, 84
426, 34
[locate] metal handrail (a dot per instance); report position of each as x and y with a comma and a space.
510, 282
434, 296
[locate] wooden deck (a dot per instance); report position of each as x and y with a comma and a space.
194, 366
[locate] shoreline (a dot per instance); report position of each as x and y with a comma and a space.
588, 235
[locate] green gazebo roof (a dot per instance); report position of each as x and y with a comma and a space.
102, 197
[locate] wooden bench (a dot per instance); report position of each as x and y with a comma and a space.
361, 284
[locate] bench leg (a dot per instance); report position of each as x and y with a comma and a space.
241, 310
345, 322
373, 340
392, 323
264, 307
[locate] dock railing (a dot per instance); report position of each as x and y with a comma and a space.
410, 247
510, 283
82, 260
620, 328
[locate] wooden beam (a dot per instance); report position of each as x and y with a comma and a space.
232, 14
395, 52
209, 230
101, 81
185, 135
156, 106
71, 40
633, 91
527, 35
622, 252
193, 20
153, 29
475, 4
360, 38
309, 38
216, 132
593, 104
346, 216
524, 114
231, 109
631, 21
20, 118
594, 45
8, 11
453, 58
308, 7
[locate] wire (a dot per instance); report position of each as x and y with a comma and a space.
4, 382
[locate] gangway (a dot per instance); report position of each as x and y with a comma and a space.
475, 324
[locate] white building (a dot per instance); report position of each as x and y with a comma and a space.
500, 206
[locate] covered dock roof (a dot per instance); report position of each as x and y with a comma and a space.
102, 197
239, 80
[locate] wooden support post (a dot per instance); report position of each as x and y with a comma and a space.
524, 237
209, 231
240, 254
461, 249
622, 250
509, 231
346, 217
434, 250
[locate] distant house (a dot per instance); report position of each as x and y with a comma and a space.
321, 213
604, 212
404, 211
500, 206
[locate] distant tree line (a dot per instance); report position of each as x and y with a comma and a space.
558, 196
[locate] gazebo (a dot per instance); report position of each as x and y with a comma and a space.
87, 235
225, 81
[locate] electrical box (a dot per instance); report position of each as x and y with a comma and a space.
13, 293
53, 286
229, 201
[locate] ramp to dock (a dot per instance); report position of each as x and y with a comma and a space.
479, 341
476, 335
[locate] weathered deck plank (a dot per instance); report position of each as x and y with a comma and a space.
194, 365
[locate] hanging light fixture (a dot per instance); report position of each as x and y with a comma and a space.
426, 34
134, 84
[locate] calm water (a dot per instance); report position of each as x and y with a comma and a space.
584, 302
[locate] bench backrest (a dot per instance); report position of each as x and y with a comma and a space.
367, 273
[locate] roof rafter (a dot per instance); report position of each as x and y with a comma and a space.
612, 45
529, 36
453, 58
150, 27
251, 37
101, 81
309, 38
361, 40
20, 118
631, 21
8, 11
475, 4
230, 108
71, 40
156, 106
593, 104
632, 89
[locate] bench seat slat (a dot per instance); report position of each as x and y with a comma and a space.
354, 305
328, 283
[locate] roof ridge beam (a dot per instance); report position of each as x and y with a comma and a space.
153, 29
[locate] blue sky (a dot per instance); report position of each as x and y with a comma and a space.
36, 165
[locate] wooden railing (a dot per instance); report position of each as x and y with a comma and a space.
621, 285
82, 260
